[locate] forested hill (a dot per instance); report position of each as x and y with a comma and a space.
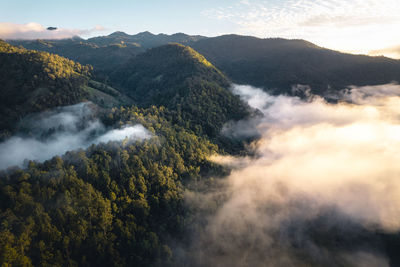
110, 205
182, 80
280, 63
105, 52
77, 49
33, 81
119, 203
269, 63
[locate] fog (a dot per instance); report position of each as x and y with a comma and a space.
322, 190
44, 135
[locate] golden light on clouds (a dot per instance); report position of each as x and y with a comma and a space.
327, 152
347, 25
324, 182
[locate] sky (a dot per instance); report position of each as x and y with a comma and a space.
356, 26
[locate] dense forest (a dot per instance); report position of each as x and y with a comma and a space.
115, 204
278, 64
274, 64
105, 52
124, 203
34, 81
111, 205
182, 80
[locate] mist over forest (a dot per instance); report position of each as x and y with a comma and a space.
186, 150
52, 133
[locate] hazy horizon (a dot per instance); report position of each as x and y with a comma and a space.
360, 27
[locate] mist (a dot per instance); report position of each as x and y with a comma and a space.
322, 190
47, 134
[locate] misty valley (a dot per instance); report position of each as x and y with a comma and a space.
180, 150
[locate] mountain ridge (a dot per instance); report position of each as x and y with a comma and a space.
274, 64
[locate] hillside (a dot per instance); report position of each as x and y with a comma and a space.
77, 49
109, 205
280, 63
33, 81
274, 64
182, 80
164, 199
105, 52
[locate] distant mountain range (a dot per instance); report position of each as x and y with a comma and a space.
106, 52
273, 64
278, 64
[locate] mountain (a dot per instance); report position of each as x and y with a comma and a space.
33, 81
77, 49
280, 63
177, 77
154, 201
105, 52
144, 39
274, 64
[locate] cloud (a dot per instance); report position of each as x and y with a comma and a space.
393, 52
60, 130
352, 26
32, 30
137, 132
323, 184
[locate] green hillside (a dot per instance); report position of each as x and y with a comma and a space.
183, 81
278, 64
33, 81
77, 49
104, 53
111, 205
274, 64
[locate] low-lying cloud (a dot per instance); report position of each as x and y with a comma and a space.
33, 30
55, 132
323, 190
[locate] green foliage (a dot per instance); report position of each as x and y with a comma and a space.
106, 52
278, 64
111, 205
183, 81
33, 81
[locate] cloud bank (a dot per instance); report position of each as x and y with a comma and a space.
67, 128
32, 30
323, 189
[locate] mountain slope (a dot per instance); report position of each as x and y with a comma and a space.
105, 52
274, 64
144, 39
77, 49
33, 81
182, 80
280, 63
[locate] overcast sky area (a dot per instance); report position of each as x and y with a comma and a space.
356, 26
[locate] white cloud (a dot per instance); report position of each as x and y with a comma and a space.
60, 130
348, 25
324, 181
34, 30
